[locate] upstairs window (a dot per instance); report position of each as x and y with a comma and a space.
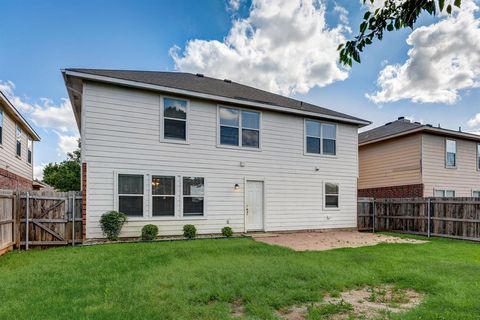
1, 125
19, 142
240, 128
29, 151
320, 138
163, 196
193, 196
478, 156
331, 195
130, 194
450, 153
174, 119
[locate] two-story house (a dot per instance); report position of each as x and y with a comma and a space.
176, 148
409, 159
16, 148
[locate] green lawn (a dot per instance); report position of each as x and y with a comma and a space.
200, 279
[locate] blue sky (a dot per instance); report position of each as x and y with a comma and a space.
39, 38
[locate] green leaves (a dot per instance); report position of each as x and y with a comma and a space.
394, 15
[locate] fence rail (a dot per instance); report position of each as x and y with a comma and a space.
457, 218
39, 218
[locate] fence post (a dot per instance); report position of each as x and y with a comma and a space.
429, 202
27, 213
73, 218
373, 211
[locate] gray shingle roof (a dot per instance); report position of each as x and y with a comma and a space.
207, 85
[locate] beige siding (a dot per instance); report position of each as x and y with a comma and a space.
8, 156
463, 179
121, 133
392, 162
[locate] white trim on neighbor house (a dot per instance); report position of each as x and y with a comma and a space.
265, 106
148, 196
305, 153
162, 122
240, 127
476, 193
324, 197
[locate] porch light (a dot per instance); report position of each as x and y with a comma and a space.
236, 187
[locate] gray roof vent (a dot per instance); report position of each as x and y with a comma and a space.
429, 125
401, 118
388, 123
200, 75
227, 80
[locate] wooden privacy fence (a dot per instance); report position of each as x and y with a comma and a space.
38, 218
457, 218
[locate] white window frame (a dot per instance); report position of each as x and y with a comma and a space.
475, 191
325, 196
478, 157
321, 154
240, 128
446, 154
444, 190
162, 122
2, 122
151, 195
145, 188
18, 139
181, 195
30, 149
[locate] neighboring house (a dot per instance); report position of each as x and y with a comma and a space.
408, 159
16, 148
175, 148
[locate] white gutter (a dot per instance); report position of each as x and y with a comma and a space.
207, 96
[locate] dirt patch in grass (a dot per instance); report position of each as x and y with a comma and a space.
363, 303
326, 240
237, 309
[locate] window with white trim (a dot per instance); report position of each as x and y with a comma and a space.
331, 195
444, 193
29, 150
450, 153
239, 127
320, 138
130, 194
163, 195
476, 193
478, 156
1, 125
193, 196
19, 141
174, 119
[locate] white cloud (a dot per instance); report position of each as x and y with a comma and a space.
474, 122
8, 87
59, 117
282, 46
233, 5
67, 143
342, 13
444, 59
38, 171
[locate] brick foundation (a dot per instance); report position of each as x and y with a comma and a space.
11, 181
404, 191
84, 201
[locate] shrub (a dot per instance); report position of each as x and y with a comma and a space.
227, 232
189, 231
111, 223
149, 232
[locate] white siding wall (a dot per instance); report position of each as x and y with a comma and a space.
8, 155
121, 133
463, 179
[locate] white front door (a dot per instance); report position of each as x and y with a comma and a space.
254, 206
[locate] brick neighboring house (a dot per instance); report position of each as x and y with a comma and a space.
16, 148
408, 159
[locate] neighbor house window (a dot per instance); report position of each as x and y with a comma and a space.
130, 194
476, 193
442, 193
193, 196
174, 119
478, 156
239, 127
19, 142
163, 196
320, 138
451, 153
1, 126
331, 195
29, 151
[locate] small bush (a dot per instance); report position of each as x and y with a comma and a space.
189, 231
149, 232
112, 223
227, 232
